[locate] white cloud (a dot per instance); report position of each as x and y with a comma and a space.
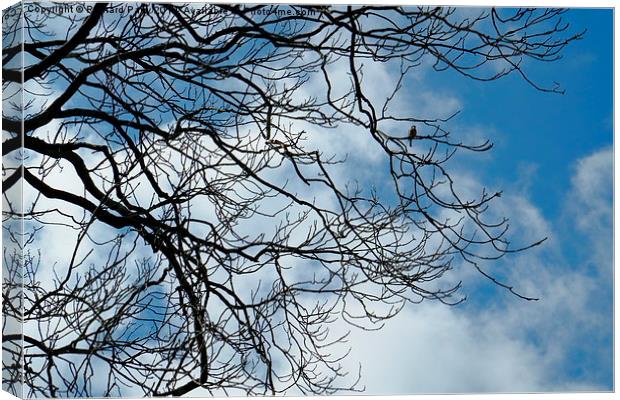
589, 204
507, 344
436, 349
512, 345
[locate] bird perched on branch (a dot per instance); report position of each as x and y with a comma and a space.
277, 144
413, 131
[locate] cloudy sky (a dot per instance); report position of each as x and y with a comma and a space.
553, 158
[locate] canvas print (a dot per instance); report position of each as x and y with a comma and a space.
285, 199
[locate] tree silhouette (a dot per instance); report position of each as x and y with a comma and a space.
203, 237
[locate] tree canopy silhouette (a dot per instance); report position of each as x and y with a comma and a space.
203, 237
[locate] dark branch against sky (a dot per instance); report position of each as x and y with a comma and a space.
206, 238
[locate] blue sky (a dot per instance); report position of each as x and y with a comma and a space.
550, 130
553, 159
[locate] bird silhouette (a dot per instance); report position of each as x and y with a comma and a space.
412, 134
277, 144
